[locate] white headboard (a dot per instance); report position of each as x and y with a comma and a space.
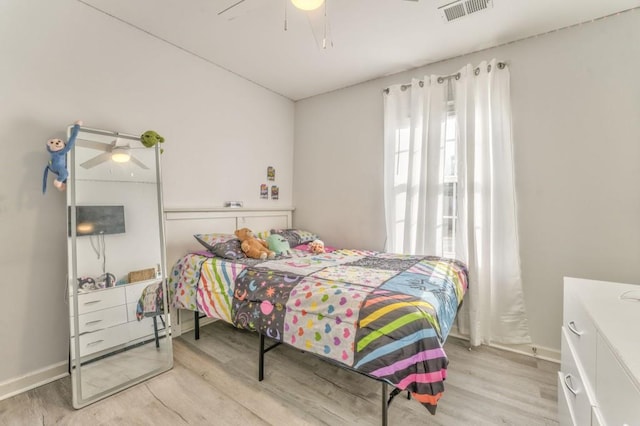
182, 224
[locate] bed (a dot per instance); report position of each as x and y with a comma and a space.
383, 315
151, 305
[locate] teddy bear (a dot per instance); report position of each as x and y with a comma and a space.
316, 246
279, 245
151, 138
58, 149
253, 247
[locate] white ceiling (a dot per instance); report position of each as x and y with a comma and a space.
371, 38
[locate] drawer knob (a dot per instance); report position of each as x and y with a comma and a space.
568, 383
92, 322
91, 302
97, 342
573, 329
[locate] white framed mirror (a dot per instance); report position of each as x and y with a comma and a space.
120, 330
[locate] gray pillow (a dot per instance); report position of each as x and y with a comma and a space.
295, 237
228, 250
210, 240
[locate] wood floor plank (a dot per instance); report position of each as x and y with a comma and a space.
214, 382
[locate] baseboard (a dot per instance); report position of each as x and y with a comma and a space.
33, 380
535, 351
529, 349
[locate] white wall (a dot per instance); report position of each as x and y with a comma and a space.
576, 113
62, 61
135, 249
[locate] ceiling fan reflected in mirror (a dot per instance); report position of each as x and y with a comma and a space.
114, 151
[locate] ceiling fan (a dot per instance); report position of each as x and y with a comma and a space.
316, 14
316, 11
114, 151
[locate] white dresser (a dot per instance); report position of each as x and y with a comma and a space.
599, 379
107, 319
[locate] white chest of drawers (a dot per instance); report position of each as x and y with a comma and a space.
107, 319
599, 379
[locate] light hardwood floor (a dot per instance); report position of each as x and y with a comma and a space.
213, 382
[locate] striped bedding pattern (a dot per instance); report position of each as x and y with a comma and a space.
384, 315
204, 283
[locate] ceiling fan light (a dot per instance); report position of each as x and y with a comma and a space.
120, 155
307, 4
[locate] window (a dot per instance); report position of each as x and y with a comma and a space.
427, 131
401, 182
449, 178
408, 184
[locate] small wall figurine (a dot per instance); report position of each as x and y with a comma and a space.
58, 149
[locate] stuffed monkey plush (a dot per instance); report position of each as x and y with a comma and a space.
58, 160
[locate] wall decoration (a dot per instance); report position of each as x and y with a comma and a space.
264, 191
271, 173
274, 192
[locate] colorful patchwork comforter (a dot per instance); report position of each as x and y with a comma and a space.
384, 315
150, 302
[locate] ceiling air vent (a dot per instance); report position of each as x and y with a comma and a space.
458, 9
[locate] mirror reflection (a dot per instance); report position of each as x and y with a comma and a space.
120, 327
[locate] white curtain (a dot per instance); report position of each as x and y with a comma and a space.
486, 236
413, 198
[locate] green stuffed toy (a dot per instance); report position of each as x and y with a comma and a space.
279, 245
150, 138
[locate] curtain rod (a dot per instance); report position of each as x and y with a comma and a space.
442, 79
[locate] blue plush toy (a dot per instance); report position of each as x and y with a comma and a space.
58, 161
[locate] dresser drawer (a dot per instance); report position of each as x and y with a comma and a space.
581, 332
573, 386
101, 299
131, 312
565, 413
618, 397
98, 320
101, 340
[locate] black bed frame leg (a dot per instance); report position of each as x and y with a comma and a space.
196, 319
261, 359
385, 404
155, 331
261, 353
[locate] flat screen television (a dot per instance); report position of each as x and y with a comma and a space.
98, 220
